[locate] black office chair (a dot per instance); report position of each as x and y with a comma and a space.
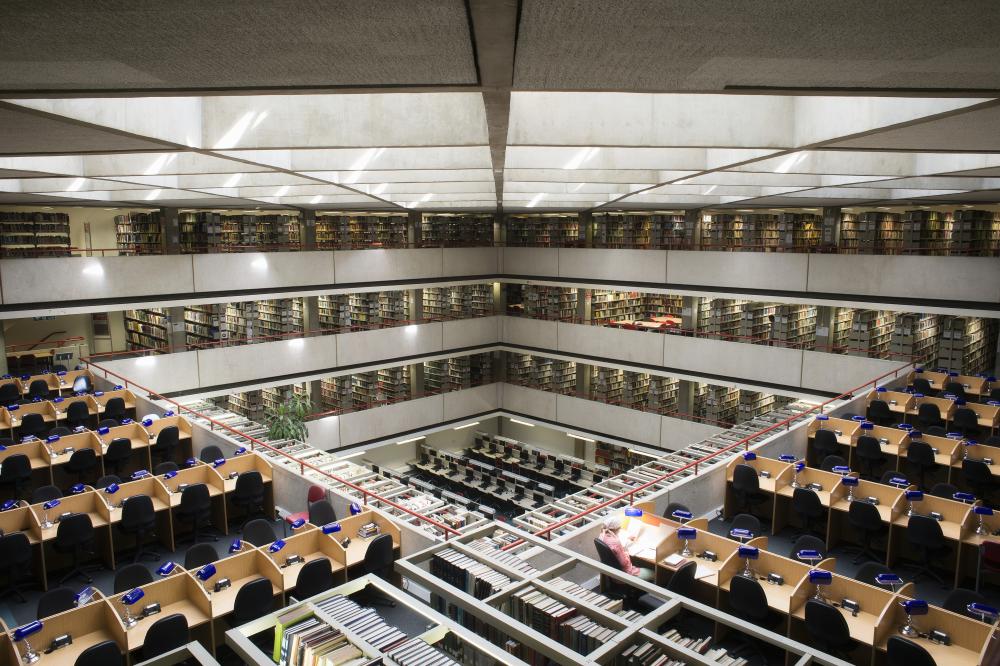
83, 463
9, 395
993, 440
108, 423
9, 442
977, 475
929, 415
131, 576
77, 414
955, 389
165, 447
807, 505
869, 452
378, 561
945, 490
966, 422
75, 536
920, 458
936, 431
746, 488
959, 599
867, 572
807, 542
15, 473
259, 532
748, 602
879, 413
314, 577
195, 508
892, 474
138, 520
117, 455
39, 388
164, 467
115, 409
923, 386
924, 534
199, 555
34, 424
249, 494
253, 600
829, 462
321, 512
611, 587
45, 494
106, 481
828, 629
865, 519
674, 506
745, 521
995, 394
61, 431
682, 582
210, 454
56, 600
15, 557
105, 653
904, 652
166, 634
825, 444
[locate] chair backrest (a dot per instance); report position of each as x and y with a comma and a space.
114, 408
33, 424
315, 494
674, 506
965, 418
959, 598
15, 550
321, 512
935, 431
923, 386
955, 389
747, 598
16, 466
137, 513
745, 479
745, 521
39, 388
976, 471
682, 582
314, 577
77, 412
74, 530
9, 394
807, 502
199, 555
378, 555
210, 454
252, 600
808, 542
864, 516
920, 453
195, 498
105, 653
924, 531
904, 652
54, 601
249, 485
130, 576
259, 532
928, 412
826, 624
869, 570
879, 409
168, 438
166, 634
993, 440
106, 481
164, 467
119, 449
891, 474
945, 490
108, 423
829, 462
62, 431
82, 460
868, 447
609, 585
44, 493
825, 440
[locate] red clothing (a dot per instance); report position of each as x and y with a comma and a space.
624, 561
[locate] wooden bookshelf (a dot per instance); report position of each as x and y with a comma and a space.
344, 231
139, 233
915, 336
544, 230
871, 331
202, 323
795, 326
34, 234
460, 301
541, 302
799, 231
199, 232
967, 345
456, 229
146, 328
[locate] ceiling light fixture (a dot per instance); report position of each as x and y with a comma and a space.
582, 156
410, 440
153, 195
535, 199
586, 439
75, 185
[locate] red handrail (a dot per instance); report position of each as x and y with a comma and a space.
51, 343
127, 383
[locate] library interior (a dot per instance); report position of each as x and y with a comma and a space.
499, 332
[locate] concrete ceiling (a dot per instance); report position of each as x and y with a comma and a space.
486, 104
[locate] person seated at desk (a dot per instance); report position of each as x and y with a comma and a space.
609, 535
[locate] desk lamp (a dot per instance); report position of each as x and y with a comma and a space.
809, 555
741, 534
981, 511
298, 523
821, 420
682, 516
127, 600
898, 482
851, 482
21, 636
843, 470
51, 504
965, 498
110, 490
912, 608
8, 505
355, 508
204, 574
236, 546
101, 432
913, 496
787, 458
689, 534
966, 443
50, 443
799, 466
890, 580
166, 568
275, 548
819, 578
748, 553
749, 457
240, 451
140, 474
84, 596
331, 528
987, 614
633, 512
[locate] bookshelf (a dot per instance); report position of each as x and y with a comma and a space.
661, 305
662, 395
745, 231
795, 326
967, 345
380, 386
199, 232
608, 306
146, 328
34, 234
975, 232
460, 301
541, 302
272, 232
799, 231
850, 239
635, 390
718, 403
724, 317
460, 372
249, 404
202, 323
334, 310
252, 320
606, 384
841, 322
619, 458
632, 230
871, 331
544, 230
755, 324
915, 336
755, 403
925, 232
335, 392
139, 233
456, 229
346, 231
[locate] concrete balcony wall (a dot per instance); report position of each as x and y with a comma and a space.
542, 261
164, 373
261, 270
357, 266
773, 365
356, 427
528, 401
530, 332
461, 333
614, 265
677, 433
743, 270
375, 346
836, 374
604, 342
475, 400
463, 261
246, 363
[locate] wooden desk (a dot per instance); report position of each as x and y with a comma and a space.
67, 379
874, 602
955, 525
16, 382
978, 452
200, 473
311, 544
849, 430
240, 569
249, 462
720, 545
41, 474
86, 502
972, 385
779, 597
157, 492
49, 378
63, 407
176, 593
135, 433
767, 485
77, 442
89, 625
355, 553
898, 401
949, 450
183, 433
892, 504
988, 416
45, 352
969, 637
945, 405
45, 408
125, 394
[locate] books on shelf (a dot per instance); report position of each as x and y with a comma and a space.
544, 230
34, 234
139, 233
871, 331
456, 229
345, 231
146, 328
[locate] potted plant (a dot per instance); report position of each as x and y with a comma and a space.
288, 420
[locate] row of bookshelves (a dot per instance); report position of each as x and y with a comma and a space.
641, 230
460, 301
365, 389
547, 374
542, 302
460, 372
544, 230
34, 234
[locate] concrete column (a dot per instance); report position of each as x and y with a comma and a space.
310, 322
582, 379
416, 304
685, 397
498, 226
587, 228
824, 328
500, 366
831, 226
308, 220
584, 305
500, 235
3, 359
692, 223
414, 220
499, 299
176, 337
689, 314
416, 379
171, 230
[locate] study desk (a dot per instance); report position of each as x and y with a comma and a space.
978, 452
972, 385
945, 405
249, 462
45, 352
783, 493
17, 413
311, 544
987, 416
354, 554
240, 569
89, 625
62, 407
948, 451
87, 502
18, 384
183, 433
891, 442
891, 504
957, 520
137, 435
58, 383
58, 453
899, 402
124, 394
41, 475
779, 597
67, 379
200, 473
153, 488
774, 468
847, 431
969, 638
179, 592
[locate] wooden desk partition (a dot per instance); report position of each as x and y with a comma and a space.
957, 517
874, 602
974, 385
988, 415
311, 544
355, 552
848, 429
88, 625
41, 474
177, 593
183, 432
898, 401
125, 394
784, 492
77, 442
136, 434
62, 407
241, 569
200, 474
978, 452
86, 502
779, 597
45, 408
945, 405
157, 492
66, 381
969, 637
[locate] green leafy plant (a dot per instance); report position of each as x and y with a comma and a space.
288, 420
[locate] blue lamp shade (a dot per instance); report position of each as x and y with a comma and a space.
850, 481
749, 455
880, 389
633, 512
905, 426
218, 462
84, 596
858, 418
867, 425
236, 546
841, 469
132, 596
355, 508
206, 572
140, 474
982, 510
749, 552
953, 435
297, 523
147, 422
13, 408
739, 533
959, 401
993, 403
190, 462
809, 554
24, 377
898, 481
820, 577
51, 504
126, 421
799, 466
970, 442
687, 533
915, 607
276, 546
681, 514
166, 568
330, 528
2, 447
822, 417
240, 451
986, 612
786, 457
991, 378
167, 413
53, 438
8, 505
77, 488
953, 374
103, 430
914, 495
964, 497
26, 630
916, 434
58, 399
918, 395
888, 579
171, 474
118, 387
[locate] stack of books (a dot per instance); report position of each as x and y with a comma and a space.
467, 574
704, 646
362, 622
415, 652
